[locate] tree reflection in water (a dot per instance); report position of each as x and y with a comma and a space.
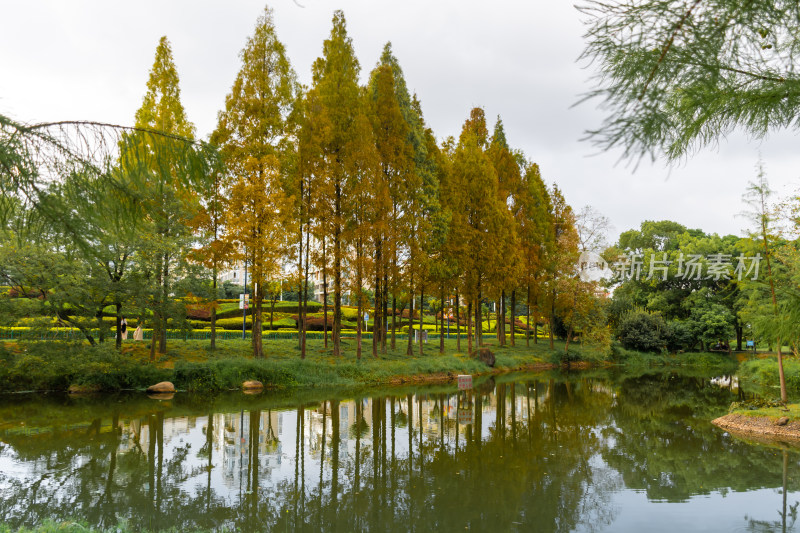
543, 454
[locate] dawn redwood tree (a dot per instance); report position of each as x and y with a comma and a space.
478, 216
256, 135
395, 153
536, 232
508, 181
336, 114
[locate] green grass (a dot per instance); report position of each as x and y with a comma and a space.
791, 410
764, 372
631, 358
192, 366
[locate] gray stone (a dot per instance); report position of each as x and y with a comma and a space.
782, 421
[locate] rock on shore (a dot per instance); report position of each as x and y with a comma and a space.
164, 386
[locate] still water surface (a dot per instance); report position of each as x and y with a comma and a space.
590, 451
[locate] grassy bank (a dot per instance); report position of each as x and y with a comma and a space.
724, 363
190, 365
763, 373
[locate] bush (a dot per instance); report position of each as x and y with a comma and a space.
56, 365
680, 335
643, 331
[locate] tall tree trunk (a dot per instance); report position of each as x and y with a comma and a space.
503, 318
300, 277
162, 340
552, 317
394, 321
458, 326
376, 321
324, 293
118, 320
528, 318
739, 333
214, 311
478, 322
337, 271
359, 298
305, 297
385, 313
441, 327
781, 376
258, 291
513, 327
421, 313
469, 326
410, 348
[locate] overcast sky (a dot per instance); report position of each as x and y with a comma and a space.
89, 60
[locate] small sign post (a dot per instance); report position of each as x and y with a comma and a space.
465, 416
464, 382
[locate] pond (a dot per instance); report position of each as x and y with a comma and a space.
588, 451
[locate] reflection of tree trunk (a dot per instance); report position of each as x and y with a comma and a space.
151, 466
455, 452
441, 421
785, 476
421, 453
551, 389
210, 445
334, 450
107, 498
297, 422
160, 473
528, 409
252, 482
383, 442
514, 412
392, 422
478, 419
376, 443
322, 453
357, 478
410, 402
500, 411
